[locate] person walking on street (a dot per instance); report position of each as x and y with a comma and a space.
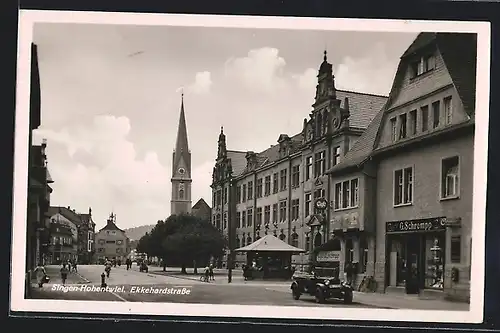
107, 268
64, 273
211, 272
41, 275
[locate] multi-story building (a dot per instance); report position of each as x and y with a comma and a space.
39, 180
274, 191
112, 242
83, 228
414, 168
64, 235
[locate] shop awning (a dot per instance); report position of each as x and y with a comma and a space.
269, 243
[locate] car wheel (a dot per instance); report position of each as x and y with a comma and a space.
295, 293
319, 296
348, 298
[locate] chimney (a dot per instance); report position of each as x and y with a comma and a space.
90, 211
69, 207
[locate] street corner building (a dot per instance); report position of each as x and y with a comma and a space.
409, 228
72, 236
395, 173
112, 242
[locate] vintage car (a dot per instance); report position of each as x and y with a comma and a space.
321, 287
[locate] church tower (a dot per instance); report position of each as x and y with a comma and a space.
181, 169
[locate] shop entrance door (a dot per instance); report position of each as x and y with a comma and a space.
413, 265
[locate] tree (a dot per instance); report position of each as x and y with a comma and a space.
183, 240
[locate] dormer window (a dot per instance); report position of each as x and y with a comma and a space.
423, 65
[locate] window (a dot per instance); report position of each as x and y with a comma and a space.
347, 194
89, 245
243, 219
307, 205
319, 164
422, 65
226, 191
283, 180
295, 210
250, 190
282, 211
110, 242
448, 112
238, 219
267, 214
413, 122
309, 167
275, 213
319, 193
237, 242
249, 217
238, 194
225, 221
244, 193
307, 241
294, 240
218, 197
403, 186
436, 114
450, 178
275, 182
267, 186
456, 249
402, 126
336, 156
258, 216
394, 129
259, 188
249, 240
424, 111
295, 176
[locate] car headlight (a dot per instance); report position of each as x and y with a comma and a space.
327, 282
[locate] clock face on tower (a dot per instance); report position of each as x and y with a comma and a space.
182, 171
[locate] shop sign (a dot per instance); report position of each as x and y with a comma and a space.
328, 256
321, 204
422, 225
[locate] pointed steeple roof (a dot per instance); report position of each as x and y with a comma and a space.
182, 138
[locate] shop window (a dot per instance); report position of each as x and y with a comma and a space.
349, 250
434, 254
403, 186
397, 273
317, 240
363, 246
450, 178
456, 249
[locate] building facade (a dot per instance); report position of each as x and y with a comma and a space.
181, 169
274, 191
83, 228
202, 210
111, 242
415, 167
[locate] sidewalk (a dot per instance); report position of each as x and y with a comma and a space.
220, 276
53, 271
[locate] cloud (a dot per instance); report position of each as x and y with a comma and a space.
112, 177
262, 69
372, 73
202, 83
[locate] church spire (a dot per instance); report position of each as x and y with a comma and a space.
181, 144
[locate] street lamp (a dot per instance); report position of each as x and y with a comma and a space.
231, 232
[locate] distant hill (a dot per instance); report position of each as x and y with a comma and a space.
137, 232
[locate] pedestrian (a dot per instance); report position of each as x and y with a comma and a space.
41, 275
108, 268
64, 273
74, 266
211, 272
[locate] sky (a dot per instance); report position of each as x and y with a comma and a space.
111, 101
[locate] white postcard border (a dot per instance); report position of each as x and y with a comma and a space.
28, 18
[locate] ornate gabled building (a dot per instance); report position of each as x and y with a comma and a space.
112, 242
414, 168
274, 191
181, 169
